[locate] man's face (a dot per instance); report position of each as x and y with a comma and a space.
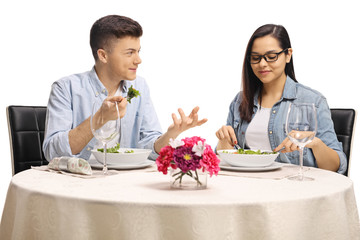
123, 58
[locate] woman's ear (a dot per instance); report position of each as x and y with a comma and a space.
288, 55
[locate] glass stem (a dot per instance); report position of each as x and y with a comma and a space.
301, 171
105, 169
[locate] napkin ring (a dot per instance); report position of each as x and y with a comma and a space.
63, 164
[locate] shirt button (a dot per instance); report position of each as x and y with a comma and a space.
88, 149
103, 91
97, 93
270, 132
274, 111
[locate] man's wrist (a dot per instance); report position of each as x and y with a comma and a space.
172, 133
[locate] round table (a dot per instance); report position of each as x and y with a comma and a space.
141, 205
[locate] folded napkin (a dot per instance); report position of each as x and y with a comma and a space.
70, 164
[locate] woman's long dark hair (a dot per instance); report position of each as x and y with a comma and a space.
250, 83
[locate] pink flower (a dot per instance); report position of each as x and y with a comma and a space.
185, 159
164, 160
190, 142
210, 161
191, 154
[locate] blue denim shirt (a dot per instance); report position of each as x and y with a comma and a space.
71, 101
293, 92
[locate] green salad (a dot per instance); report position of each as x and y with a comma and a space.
114, 149
111, 150
132, 93
243, 151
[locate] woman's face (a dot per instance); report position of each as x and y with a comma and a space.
269, 72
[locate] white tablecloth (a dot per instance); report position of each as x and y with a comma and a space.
141, 205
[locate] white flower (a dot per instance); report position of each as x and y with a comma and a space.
199, 148
176, 143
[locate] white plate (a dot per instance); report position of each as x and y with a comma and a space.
138, 156
225, 166
247, 160
95, 164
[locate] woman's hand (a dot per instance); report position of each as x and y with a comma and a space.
227, 138
185, 122
289, 146
326, 157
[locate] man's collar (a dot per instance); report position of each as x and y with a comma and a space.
96, 84
98, 87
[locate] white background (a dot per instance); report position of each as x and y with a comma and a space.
192, 54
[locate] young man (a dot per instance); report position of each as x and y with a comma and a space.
115, 44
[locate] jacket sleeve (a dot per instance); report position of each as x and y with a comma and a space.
326, 132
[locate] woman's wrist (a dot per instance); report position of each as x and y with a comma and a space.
314, 144
223, 145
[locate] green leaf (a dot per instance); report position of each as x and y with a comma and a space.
258, 152
132, 93
111, 150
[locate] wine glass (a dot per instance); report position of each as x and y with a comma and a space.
105, 124
301, 127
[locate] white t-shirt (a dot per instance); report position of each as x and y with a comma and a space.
257, 132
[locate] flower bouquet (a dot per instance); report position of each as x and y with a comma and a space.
189, 160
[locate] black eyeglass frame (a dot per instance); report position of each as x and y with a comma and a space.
265, 57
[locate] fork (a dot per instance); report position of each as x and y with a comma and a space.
237, 146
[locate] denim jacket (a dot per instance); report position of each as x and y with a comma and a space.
293, 92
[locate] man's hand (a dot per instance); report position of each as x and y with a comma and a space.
185, 122
109, 110
179, 126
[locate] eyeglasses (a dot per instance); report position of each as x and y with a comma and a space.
269, 57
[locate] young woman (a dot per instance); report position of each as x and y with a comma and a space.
257, 115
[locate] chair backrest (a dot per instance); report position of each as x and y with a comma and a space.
344, 120
26, 126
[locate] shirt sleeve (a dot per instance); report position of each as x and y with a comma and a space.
150, 129
58, 123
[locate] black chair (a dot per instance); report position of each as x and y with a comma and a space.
26, 126
344, 120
